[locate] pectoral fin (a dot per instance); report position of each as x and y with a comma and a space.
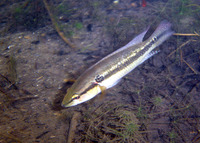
103, 92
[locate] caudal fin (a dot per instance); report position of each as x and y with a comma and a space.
162, 32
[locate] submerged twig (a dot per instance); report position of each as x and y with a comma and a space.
73, 124
189, 66
180, 47
12, 70
186, 34
26, 98
169, 110
182, 60
56, 25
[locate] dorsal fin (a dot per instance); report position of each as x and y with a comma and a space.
136, 40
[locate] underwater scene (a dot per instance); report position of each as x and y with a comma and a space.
108, 71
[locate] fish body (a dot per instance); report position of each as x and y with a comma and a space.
107, 72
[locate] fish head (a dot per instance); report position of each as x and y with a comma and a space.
80, 93
71, 98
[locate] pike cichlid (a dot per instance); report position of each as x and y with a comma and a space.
107, 72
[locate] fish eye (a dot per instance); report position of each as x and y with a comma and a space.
76, 96
154, 39
99, 78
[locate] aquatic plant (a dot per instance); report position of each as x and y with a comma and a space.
78, 25
117, 123
157, 101
172, 136
29, 14
183, 9
64, 8
188, 7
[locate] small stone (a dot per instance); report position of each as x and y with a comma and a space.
90, 28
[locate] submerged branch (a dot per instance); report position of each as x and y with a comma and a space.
181, 46
73, 124
186, 34
61, 34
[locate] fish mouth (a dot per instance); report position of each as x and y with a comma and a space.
66, 105
69, 104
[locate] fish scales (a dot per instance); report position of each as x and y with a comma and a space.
127, 61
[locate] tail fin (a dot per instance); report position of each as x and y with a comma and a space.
162, 32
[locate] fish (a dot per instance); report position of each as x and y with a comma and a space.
107, 72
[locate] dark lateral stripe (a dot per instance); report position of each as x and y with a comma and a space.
90, 87
85, 91
129, 59
133, 58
